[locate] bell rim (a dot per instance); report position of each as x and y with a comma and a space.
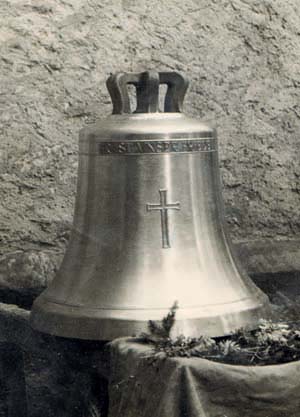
70, 322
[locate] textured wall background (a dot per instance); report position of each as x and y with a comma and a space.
243, 59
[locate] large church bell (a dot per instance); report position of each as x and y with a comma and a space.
148, 227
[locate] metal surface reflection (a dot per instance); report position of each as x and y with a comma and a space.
148, 227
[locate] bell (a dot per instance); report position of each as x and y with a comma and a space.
149, 227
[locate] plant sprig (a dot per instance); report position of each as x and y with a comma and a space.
271, 343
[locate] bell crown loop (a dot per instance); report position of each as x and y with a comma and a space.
147, 91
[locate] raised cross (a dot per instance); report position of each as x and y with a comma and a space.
163, 207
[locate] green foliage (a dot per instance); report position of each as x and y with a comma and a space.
271, 343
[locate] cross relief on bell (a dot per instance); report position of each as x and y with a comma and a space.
164, 207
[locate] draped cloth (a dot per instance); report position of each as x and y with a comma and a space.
143, 385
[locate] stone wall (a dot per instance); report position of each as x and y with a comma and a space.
242, 57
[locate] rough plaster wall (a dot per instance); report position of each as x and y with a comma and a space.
243, 60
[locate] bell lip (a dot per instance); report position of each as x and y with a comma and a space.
64, 321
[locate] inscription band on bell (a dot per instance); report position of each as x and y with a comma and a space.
132, 147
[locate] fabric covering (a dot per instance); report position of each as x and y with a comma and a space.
145, 386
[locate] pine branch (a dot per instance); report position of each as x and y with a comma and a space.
271, 343
160, 331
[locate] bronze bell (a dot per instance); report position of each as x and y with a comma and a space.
149, 226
